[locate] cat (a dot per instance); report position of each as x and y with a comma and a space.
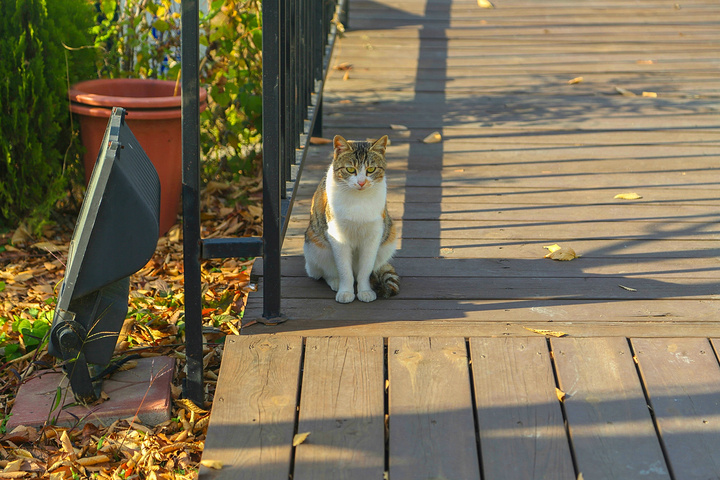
351, 236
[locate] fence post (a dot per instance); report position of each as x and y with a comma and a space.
190, 51
272, 121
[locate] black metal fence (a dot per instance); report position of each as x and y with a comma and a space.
298, 37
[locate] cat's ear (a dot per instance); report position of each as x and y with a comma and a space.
380, 145
341, 145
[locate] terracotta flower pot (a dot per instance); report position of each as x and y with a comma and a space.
154, 116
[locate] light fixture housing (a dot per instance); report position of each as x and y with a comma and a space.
115, 235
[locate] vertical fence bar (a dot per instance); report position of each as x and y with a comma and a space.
318, 28
190, 51
284, 95
295, 37
285, 84
304, 49
273, 120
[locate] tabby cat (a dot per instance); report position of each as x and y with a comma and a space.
351, 237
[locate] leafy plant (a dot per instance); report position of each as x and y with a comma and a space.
141, 38
138, 38
232, 69
32, 333
38, 157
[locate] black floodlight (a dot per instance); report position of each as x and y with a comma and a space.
115, 235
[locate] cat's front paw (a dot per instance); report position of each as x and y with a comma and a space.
344, 297
366, 296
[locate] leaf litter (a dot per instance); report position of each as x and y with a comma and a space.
300, 438
628, 196
434, 137
31, 269
548, 333
563, 254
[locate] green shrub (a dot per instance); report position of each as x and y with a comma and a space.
37, 153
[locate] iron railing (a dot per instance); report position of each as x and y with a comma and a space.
298, 38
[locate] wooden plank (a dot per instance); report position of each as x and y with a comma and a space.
612, 433
533, 138
408, 264
432, 433
253, 414
435, 206
669, 113
537, 116
514, 288
543, 164
579, 311
626, 211
488, 327
342, 407
518, 410
560, 231
624, 257
533, 196
681, 377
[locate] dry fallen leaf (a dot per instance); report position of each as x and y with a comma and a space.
650, 94
21, 235
563, 254
628, 196
94, 460
434, 137
629, 289
129, 365
13, 466
319, 141
214, 464
575, 80
625, 92
398, 127
485, 4
549, 333
560, 394
189, 405
49, 247
346, 67
67, 445
645, 62
300, 438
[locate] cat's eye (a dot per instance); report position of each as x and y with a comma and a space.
370, 169
351, 170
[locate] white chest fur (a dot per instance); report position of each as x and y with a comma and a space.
356, 214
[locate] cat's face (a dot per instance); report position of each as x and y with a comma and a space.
359, 165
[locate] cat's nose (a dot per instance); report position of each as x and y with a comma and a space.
361, 182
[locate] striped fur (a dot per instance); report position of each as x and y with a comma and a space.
385, 281
351, 237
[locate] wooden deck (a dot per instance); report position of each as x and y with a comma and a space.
451, 379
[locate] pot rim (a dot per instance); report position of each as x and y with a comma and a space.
78, 95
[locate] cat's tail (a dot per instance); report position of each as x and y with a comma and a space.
385, 281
